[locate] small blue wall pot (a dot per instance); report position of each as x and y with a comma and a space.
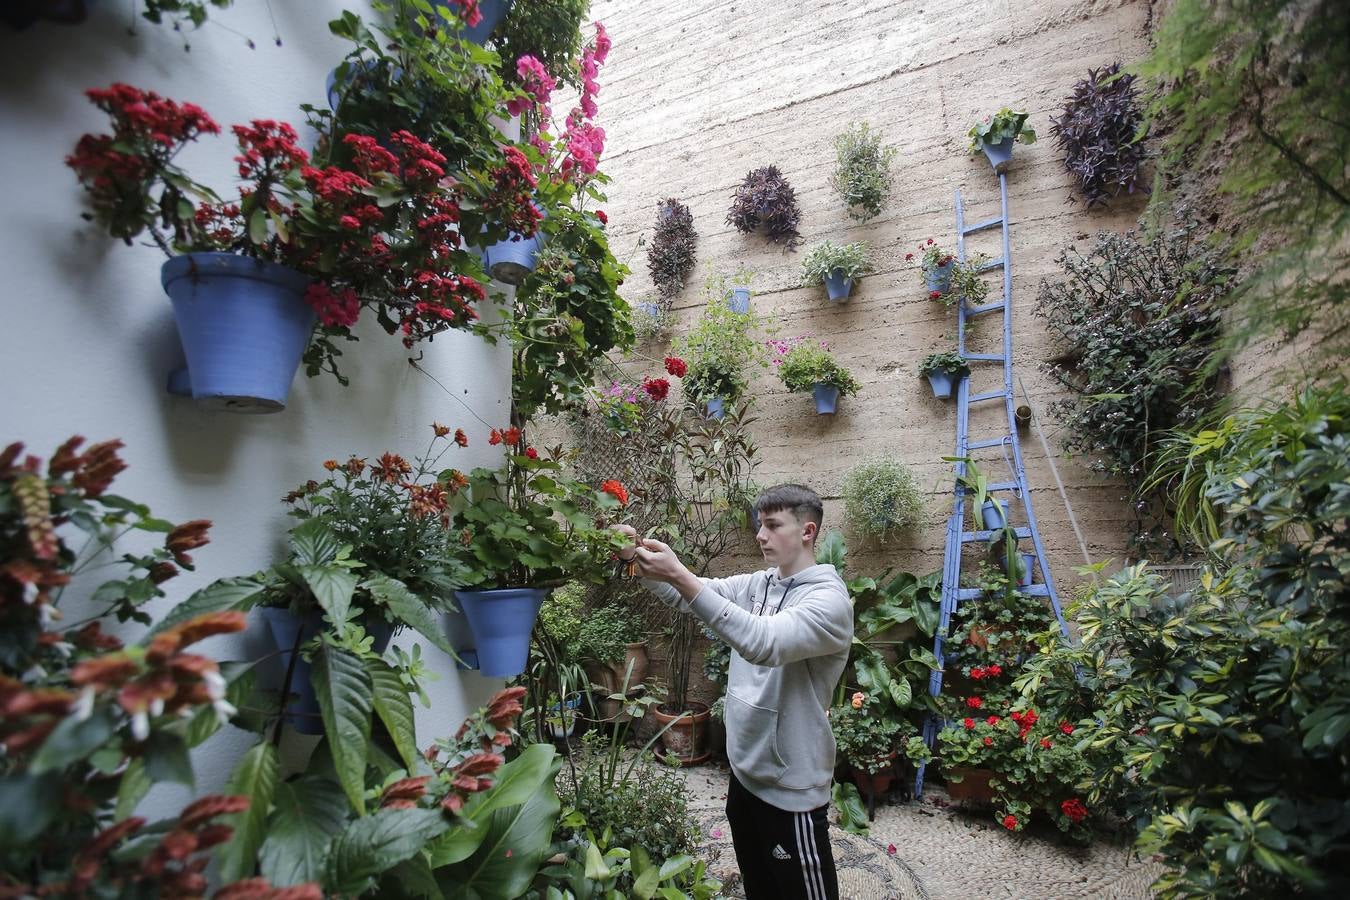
827, 398
492, 12
995, 514
939, 278
838, 285
512, 260
715, 407
740, 300
999, 154
303, 712
501, 620
942, 383
244, 325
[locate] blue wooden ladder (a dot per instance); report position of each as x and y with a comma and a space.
953, 595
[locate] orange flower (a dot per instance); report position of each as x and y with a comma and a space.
439, 429
330, 464
188, 536
461, 438
355, 466
495, 437
511, 436
201, 811
858, 700
615, 490
504, 707
390, 467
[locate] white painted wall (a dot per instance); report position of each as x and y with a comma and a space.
88, 338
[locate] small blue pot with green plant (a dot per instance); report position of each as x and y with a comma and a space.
837, 265
806, 365
943, 371
995, 136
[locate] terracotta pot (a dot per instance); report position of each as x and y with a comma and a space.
686, 739
608, 710
974, 785
874, 782
636, 655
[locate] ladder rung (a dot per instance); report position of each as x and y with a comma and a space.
1002, 486
969, 537
1031, 590
992, 264
992, 395
981, 226
981, 445
987, 357
981, 310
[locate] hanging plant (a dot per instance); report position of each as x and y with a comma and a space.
1100, 134
766, 199
671, 255
862, 172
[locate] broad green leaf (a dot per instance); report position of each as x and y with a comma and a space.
377, 843
135, 785
310, 812
314, 544
343, 689
901, 692
72, 740
218, 596
394, 707
852, 813
27, 805
256, 777
675, 866
411, 878
515, 782
409, 608
257, 226
332, 586
166, 758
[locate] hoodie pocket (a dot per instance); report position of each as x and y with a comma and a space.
752, 739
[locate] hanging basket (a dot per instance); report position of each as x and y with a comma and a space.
512, 260
501, 621
942, 383
244, 325
838, 285
995, 514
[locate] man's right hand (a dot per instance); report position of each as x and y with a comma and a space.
628, 531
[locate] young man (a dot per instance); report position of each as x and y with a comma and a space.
789, 627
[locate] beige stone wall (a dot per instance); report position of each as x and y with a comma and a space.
696, 94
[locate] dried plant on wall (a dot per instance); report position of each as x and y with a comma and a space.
765, 199
670, 258
1099, 133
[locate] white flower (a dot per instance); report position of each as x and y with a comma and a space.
215, 684
64, 648
224, 710
84, 706
157, 707
140, 726
30, 592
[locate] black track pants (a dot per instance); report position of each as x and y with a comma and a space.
782, 855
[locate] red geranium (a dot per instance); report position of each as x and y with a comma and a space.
656, 388
1074, 809
615, 490
676, 366
1010, 823
974, 702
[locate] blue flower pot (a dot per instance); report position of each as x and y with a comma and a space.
838, 285
827, 398
942, 383
511, 260
492, 12
303, 712
999, 154
995, 514
715, 408
1028, 573
652, 310
939, 278
740, 300
501, 621
244, 325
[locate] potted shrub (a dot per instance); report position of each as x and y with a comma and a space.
943, 370
862, 173
518, 530
611, 647
881, 495
806, 365
868, 741
766, 200
837, 266
670, 258
718, 350
1099, 132
936, 263
995, 135
967, 285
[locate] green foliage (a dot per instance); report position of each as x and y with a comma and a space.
806, 364
548, 30
1255, 90
852, 812
999, 127
864, 736
604, 634
948, 361
720, 348
180, 12
1139, 318
881, 495
968, 285
862, 174
600, 867
826, 259
563, 613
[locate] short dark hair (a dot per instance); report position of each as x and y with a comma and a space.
798, 499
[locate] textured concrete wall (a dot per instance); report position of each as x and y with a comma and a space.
698, 93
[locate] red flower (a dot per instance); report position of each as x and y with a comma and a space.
531, 453
461, 438
676, 366
1010, 823
656, 388
935, 295
969, 723
909, 256
1045, 744
495, 437
974, 702
988, 742
511, 436
1074, 809
600, 214
994, 671
439, 430
1066, 727
615, 490
993, 720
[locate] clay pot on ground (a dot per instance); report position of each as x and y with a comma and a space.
687, 737
973, 786
874, 782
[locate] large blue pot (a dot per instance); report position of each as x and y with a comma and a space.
827, 398
511, 260
501, 621
999, 154
942, 383
838, 285
303, 712
244, 325
740, 300
939, 278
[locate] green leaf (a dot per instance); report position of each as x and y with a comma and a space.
166, 759
27, 805
516, 781
675, 866
135, 785
310, 812
314, 544
332, 586
377, 843
409, 608
901, 692
412, 878
257, 226
852, 813
72, 740
394, 707
343, 689
218, 596
256, 777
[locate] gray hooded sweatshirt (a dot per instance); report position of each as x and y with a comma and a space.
790, 640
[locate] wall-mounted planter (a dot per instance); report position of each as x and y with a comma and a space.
651, 310
838, 285
740, 300
995, 513
501, 621
512, 260
939, 278
244, 325
827, 398
942, 383
287, 629
715, 408
999, 155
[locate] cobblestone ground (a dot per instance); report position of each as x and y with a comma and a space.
940, 853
